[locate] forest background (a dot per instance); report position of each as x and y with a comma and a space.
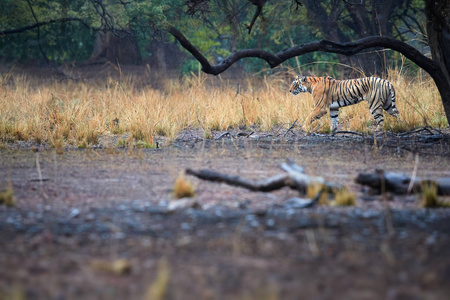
135, 32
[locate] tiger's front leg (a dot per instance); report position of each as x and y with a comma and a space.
316, 114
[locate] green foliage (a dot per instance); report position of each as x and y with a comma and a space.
59, 41
216, 28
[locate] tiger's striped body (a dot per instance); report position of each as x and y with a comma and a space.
330, 94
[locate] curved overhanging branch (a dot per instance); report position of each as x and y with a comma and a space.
355, 47
271, 59
274, 60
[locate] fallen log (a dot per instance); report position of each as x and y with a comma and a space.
294, 179
398, 183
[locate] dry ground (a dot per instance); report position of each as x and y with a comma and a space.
64, 237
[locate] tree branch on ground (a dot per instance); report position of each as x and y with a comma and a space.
294, 179
398, 183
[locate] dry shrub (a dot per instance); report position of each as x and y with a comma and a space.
183, 188
313, 189
7, 197
119, 266
430, 197
343, 197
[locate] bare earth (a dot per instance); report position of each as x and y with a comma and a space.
99, 227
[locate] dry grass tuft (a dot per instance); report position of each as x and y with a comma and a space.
313, 189
183, 188
119, 266
7, 197
430, 197
344, 197
158, 289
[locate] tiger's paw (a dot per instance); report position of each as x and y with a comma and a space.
306, 129
334, 129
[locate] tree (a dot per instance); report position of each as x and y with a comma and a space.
438, 67
342, 21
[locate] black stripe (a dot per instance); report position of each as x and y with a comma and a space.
359, 91
374, 99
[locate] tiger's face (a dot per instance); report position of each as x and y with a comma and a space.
297, 87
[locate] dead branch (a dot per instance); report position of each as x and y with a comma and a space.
259, 5
398, 183
294, 179
289, 129
40, 24
415, 131
349, 132
267, 185
223, 135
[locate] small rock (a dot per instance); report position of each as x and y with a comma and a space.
299, 203
431, 240
74, 212
250, 217
163, 203
183, 204
254, 223
90, 217
185, 226
185, 240
240, 205
270, 223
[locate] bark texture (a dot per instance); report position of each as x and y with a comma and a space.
438, 29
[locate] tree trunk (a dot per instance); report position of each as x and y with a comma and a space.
116, 48
438, 30
372, 61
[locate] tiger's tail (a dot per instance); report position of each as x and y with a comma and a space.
389, 104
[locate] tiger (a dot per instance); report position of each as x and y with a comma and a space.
330, 94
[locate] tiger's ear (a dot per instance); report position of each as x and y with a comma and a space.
303, 78
298, 77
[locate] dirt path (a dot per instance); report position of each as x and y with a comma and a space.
64, 237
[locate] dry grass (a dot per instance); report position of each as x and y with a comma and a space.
7, 197
78, 113
430, 197
313, 189
159, 288
183, 188
344, 197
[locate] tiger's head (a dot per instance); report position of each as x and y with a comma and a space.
297, 87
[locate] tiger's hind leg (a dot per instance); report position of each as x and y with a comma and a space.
334, 116
389, 103
377, 112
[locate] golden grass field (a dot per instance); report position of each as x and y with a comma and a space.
79, 112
